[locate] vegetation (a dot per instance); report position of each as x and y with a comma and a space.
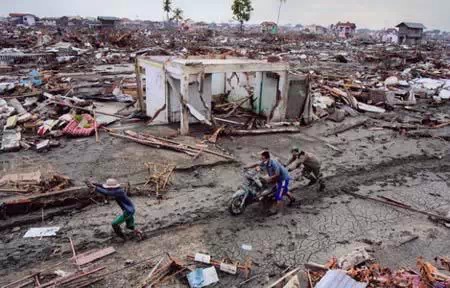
177, 15
167, 7
242, 10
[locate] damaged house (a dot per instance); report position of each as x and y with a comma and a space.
316, 29
344, 30
23, 19
108, 21
183, 89
389, 36
410, 33
269, 27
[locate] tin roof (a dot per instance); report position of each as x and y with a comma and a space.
20, 14
108, 18
412, 25
338, 279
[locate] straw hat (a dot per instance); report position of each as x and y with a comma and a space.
111, 183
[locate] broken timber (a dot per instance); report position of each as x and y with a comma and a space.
344, 128
159, 142
400, 205
263, 131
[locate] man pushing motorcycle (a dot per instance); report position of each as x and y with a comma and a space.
278, 174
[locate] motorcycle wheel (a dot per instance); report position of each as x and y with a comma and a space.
235, 207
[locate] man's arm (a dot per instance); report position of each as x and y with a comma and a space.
104, 191
299, 163
292, 159
253, 165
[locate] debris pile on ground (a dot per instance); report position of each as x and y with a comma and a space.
371, 274
34, 182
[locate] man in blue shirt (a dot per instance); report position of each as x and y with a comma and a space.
277, 173
112, 189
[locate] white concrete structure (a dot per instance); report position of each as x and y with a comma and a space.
23, 18
182, 89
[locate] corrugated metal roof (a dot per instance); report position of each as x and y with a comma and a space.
108, 18
338, 279
412, 25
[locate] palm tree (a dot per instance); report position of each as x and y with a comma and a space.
177, 15
167, 7
279, 10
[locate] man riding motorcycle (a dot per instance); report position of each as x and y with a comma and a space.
277, 173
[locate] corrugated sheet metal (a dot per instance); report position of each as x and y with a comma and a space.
413, 25
338, 279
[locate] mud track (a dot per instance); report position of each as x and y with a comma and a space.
318, 223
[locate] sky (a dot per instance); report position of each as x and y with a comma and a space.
373, 14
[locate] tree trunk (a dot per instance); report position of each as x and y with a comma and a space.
279, 12
242, 26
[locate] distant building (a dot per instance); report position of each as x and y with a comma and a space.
344, 30
389, 36
108, 21
410, 33
316, 29
269, 27
23, 18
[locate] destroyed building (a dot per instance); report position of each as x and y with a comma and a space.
23, 19
269, 27
344, 29
410, 33
174, 117
108, 21
316, 29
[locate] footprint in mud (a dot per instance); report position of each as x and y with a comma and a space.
100, 234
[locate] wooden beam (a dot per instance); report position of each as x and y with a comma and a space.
140, 91
184, 121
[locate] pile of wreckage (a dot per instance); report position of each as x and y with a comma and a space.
83, 269
33, 118
345, 274
357, 269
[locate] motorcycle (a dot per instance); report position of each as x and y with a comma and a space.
253, 190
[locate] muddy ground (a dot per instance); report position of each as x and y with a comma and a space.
193, 216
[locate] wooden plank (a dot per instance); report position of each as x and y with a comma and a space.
140, 92
263, 131
83, 259
284, 277
193, 147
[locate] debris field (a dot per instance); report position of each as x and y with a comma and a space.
174, 115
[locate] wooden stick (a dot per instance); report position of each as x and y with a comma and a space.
156, 145
149, 276
284, 277
193, 147
309, 279
86, 109
404, 206
97, 139
264, 131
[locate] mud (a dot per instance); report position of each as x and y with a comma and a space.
193, 218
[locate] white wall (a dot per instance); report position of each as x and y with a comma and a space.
29, 20
156, 94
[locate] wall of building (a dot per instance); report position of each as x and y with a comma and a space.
29, 20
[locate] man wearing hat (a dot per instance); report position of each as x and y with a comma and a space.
112, 189
311, 165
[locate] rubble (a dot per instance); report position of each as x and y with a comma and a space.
64, 84
374, 275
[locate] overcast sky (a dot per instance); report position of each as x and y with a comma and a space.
365, 13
